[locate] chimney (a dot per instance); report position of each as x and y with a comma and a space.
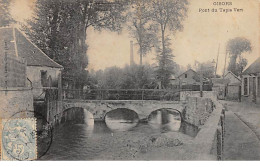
131, 53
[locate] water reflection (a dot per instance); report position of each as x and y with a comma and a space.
85, 141
165, 120
88, 121
121, 119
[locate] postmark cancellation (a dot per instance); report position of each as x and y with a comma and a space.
19, 139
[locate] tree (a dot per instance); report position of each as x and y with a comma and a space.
235, 47
167, 15
113, 78
165, 66
129, 77
5, 16
137, 77
207, 69
59, 28
141, 28
241, 66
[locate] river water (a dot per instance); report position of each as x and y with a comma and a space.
86, 141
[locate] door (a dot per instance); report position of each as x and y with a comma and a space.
254, 89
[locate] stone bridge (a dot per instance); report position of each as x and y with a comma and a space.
142, 107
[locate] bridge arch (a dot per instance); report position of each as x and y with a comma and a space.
77, 115
170, 110
99, 109
73, 114
122, 110
167, 118
121, 119
98, 112
74, 105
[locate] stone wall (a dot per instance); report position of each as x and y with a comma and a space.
12, 67
15, 100
209, 142
207, 94
197, 110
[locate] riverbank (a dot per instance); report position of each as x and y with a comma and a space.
142, 142
81, 142
148, 146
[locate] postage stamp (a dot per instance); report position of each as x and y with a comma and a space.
19, 139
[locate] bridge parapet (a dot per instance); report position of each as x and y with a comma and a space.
122, 94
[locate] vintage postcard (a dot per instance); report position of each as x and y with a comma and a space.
129, 80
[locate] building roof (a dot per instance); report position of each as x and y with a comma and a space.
188, 71
197, 76
254, 68
27, 50
234, 75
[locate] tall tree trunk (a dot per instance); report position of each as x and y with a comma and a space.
163, 59
53, 35
232, 64
141, 56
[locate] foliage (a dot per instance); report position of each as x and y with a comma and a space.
59, 29
5, 16
140, 27
207, 69
235, 47
167, 15
165, 67
238, 45
240, 66
137, 77
129, 77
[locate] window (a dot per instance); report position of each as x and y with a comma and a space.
245, 86
44, 81
258, 86
186, 75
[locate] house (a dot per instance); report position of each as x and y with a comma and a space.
16, 97
251, 82
41, 71
228, 87
190, 79
233, 88
233, 79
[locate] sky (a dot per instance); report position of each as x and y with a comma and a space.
203, 33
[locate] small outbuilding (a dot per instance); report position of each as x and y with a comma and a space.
251, 82
233, 89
